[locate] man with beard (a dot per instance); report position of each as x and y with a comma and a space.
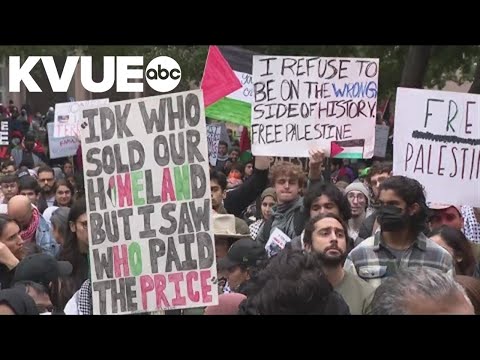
28, 156
33, 227
46, 180
400, 243
326, 236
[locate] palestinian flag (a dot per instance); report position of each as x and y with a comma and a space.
112, 191
348, 149
227, 84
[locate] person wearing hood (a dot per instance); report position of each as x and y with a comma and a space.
28, 155
357, 196
288, 179
268, 199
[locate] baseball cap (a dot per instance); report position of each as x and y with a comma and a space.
242, 252
42, 269
438, 206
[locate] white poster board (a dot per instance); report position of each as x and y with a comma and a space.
61, 147
381, 140
214, 131
148, 205
437, 142
302, 102
68, 116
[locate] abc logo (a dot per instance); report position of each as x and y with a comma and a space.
163, 74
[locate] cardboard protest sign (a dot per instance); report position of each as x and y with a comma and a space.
302, 102
4, 139
61, 147
148, 204
214, 132
228, 72
68, 116
437, 142
381, 140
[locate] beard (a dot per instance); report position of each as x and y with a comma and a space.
47, 189
332, 260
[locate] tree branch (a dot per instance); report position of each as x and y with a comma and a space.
475, 88
415, 66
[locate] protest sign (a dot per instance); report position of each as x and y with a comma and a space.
61, 146
148, 204
437, 142
4, 139
381, 140
305, 102
214, 132
68, 116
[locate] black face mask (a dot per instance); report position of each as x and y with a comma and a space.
392, 218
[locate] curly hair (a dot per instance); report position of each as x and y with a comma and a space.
285, 168
292, 283
333, 193
412, 192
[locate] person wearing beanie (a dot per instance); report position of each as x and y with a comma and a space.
268, 200
357, 196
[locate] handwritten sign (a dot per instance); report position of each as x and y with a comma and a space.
68, 116
61, 147
149, 205
437, 142
301, 102
276, 242
381, 140
4, 139
213, 138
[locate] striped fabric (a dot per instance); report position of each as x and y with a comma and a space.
471, 227
373, 261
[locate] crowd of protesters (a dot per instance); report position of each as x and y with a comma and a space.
360, 239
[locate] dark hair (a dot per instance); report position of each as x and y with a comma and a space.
63, 182
236, 149
220, 178
59, 219
221, 142
472, 288
461, 248
8, 163
4, 220
411, 191
10, 178
310, 227
333, 193
70, 251
380, 168
292, 283
28, 183
45, 168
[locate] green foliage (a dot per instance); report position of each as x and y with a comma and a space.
456, 63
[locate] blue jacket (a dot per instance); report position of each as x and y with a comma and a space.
44, 238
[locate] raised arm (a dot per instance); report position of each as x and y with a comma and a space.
238, 199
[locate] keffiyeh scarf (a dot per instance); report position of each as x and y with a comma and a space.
28, 234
